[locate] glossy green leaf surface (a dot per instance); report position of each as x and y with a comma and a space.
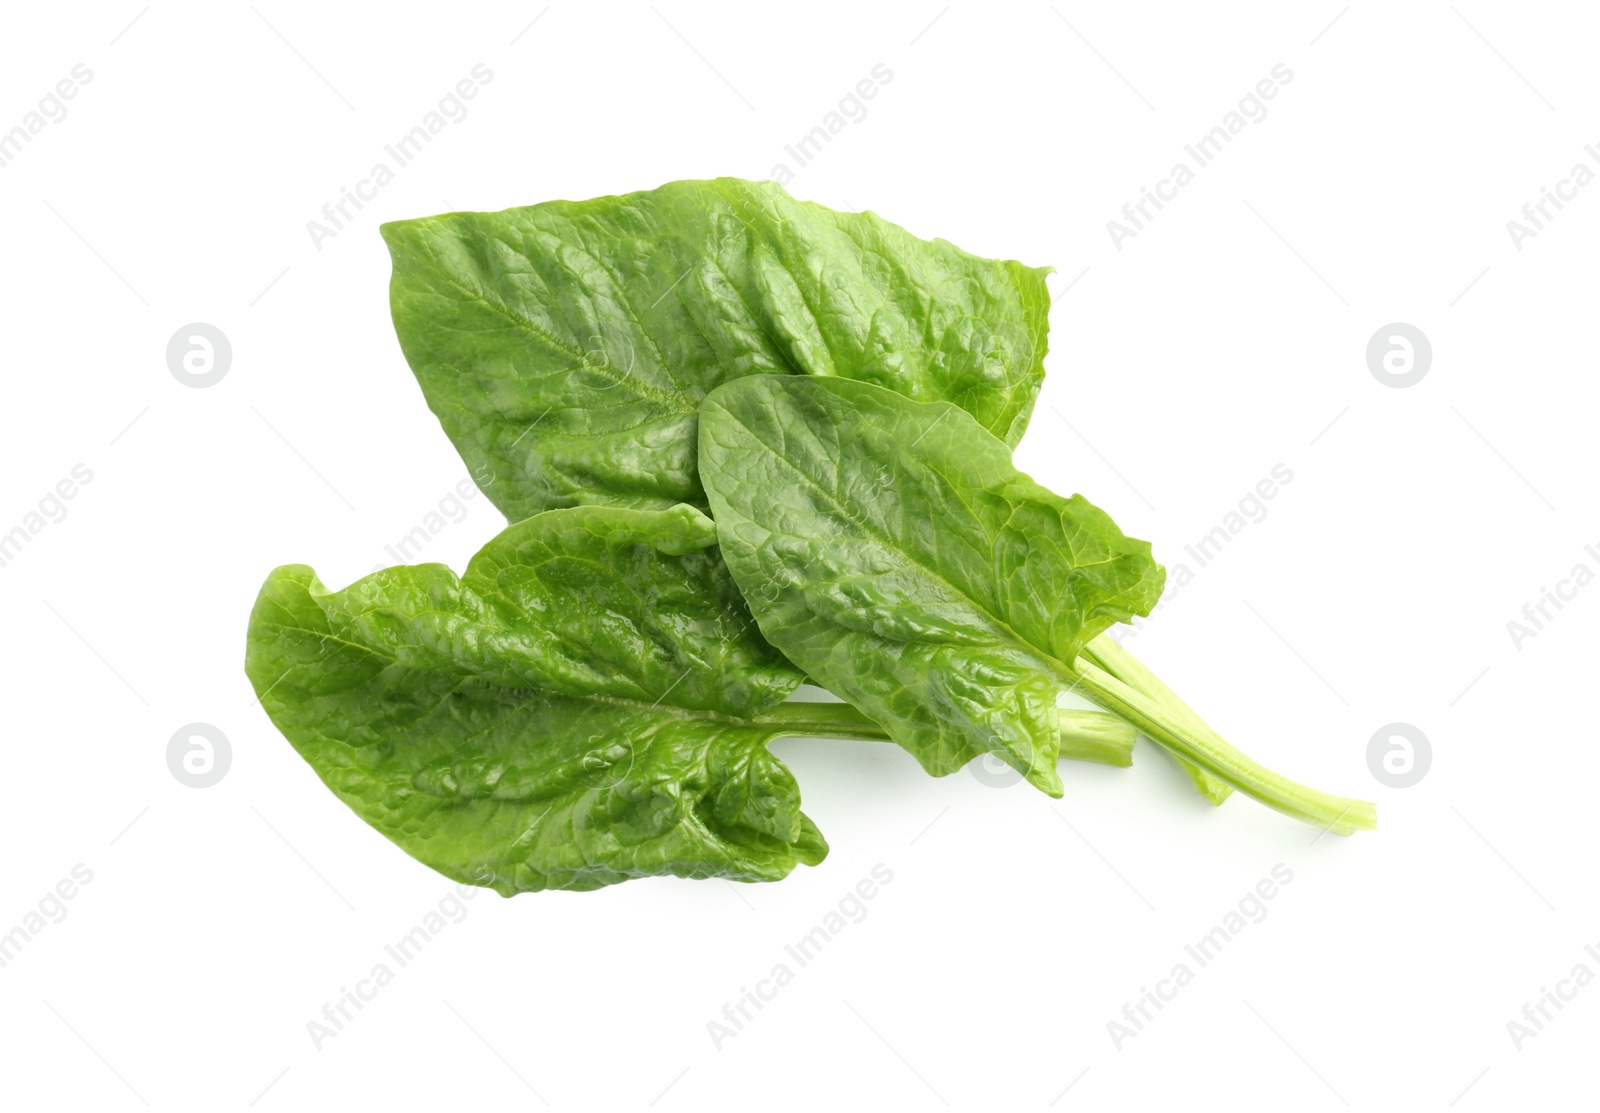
891, 550
588, 703
566, 347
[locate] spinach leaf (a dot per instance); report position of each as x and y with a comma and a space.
565, 347
894, 553
891, 549
589, 703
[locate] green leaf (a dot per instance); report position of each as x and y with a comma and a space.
892, 551
588, 703
566, 347
617, 604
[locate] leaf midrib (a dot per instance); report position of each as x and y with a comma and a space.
676, 400
685, 713
1063, 671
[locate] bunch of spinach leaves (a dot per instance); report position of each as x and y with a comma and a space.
591, 701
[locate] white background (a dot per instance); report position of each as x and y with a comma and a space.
1226, 337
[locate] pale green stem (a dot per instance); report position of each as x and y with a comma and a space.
1127, 668
1338, 814
1097, 736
